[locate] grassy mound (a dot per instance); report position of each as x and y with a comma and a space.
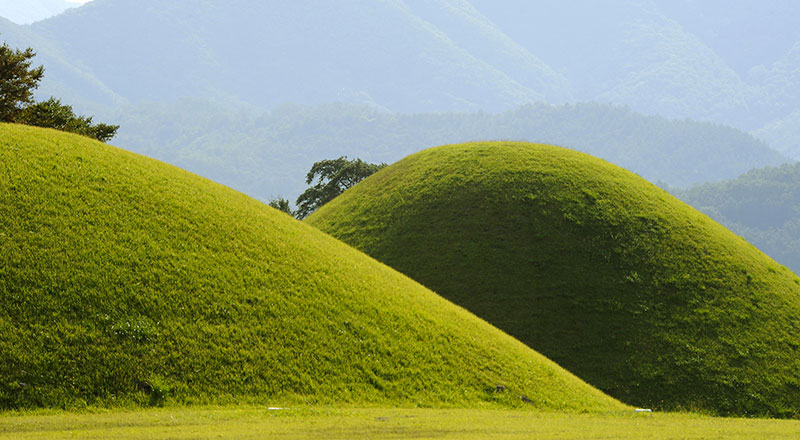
124, 280
606, 274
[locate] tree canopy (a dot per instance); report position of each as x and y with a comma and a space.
282, 205
333, 176
19, 79
53, 114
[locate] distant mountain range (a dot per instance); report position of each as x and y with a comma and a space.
728, 62
263, 54
268, 154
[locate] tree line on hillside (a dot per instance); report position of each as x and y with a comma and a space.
268, 154
18, 80
762, 205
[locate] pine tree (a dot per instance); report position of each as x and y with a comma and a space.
18, 80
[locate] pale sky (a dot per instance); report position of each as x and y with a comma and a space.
29, 11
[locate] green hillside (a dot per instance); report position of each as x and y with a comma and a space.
606, 274
124, 280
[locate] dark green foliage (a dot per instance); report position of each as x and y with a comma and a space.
282, 205
18, 80
333, 176
124, 281
606, 274
763, 206
53, 114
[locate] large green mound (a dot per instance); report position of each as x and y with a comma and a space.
611, 277
125, 280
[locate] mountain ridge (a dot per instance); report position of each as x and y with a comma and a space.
640, 55
314, 53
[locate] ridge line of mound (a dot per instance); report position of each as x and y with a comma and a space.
601, 271
124, 280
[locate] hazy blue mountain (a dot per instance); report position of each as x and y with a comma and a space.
676, 59
745, 33
266, 53
763, 206
626, 52
269, 155
64, 78
474, 32
783, 135
778, 92
29, 11
777, 100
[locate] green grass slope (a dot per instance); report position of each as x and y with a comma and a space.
124, 280
611, 277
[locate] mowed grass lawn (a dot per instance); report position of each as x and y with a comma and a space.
376, 423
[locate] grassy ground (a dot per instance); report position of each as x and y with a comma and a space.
601, 271
330, 423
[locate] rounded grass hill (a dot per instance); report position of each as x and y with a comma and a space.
611, 277
126, 281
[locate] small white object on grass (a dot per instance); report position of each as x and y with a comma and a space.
642, 410
274, 408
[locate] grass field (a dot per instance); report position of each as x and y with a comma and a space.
376, 423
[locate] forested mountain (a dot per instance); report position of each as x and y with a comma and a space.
627, 52
268, 155
63, 76
727, 62
779, 92
783, 135
266, 53
461, 22
746, 34
763, 206
442, 55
